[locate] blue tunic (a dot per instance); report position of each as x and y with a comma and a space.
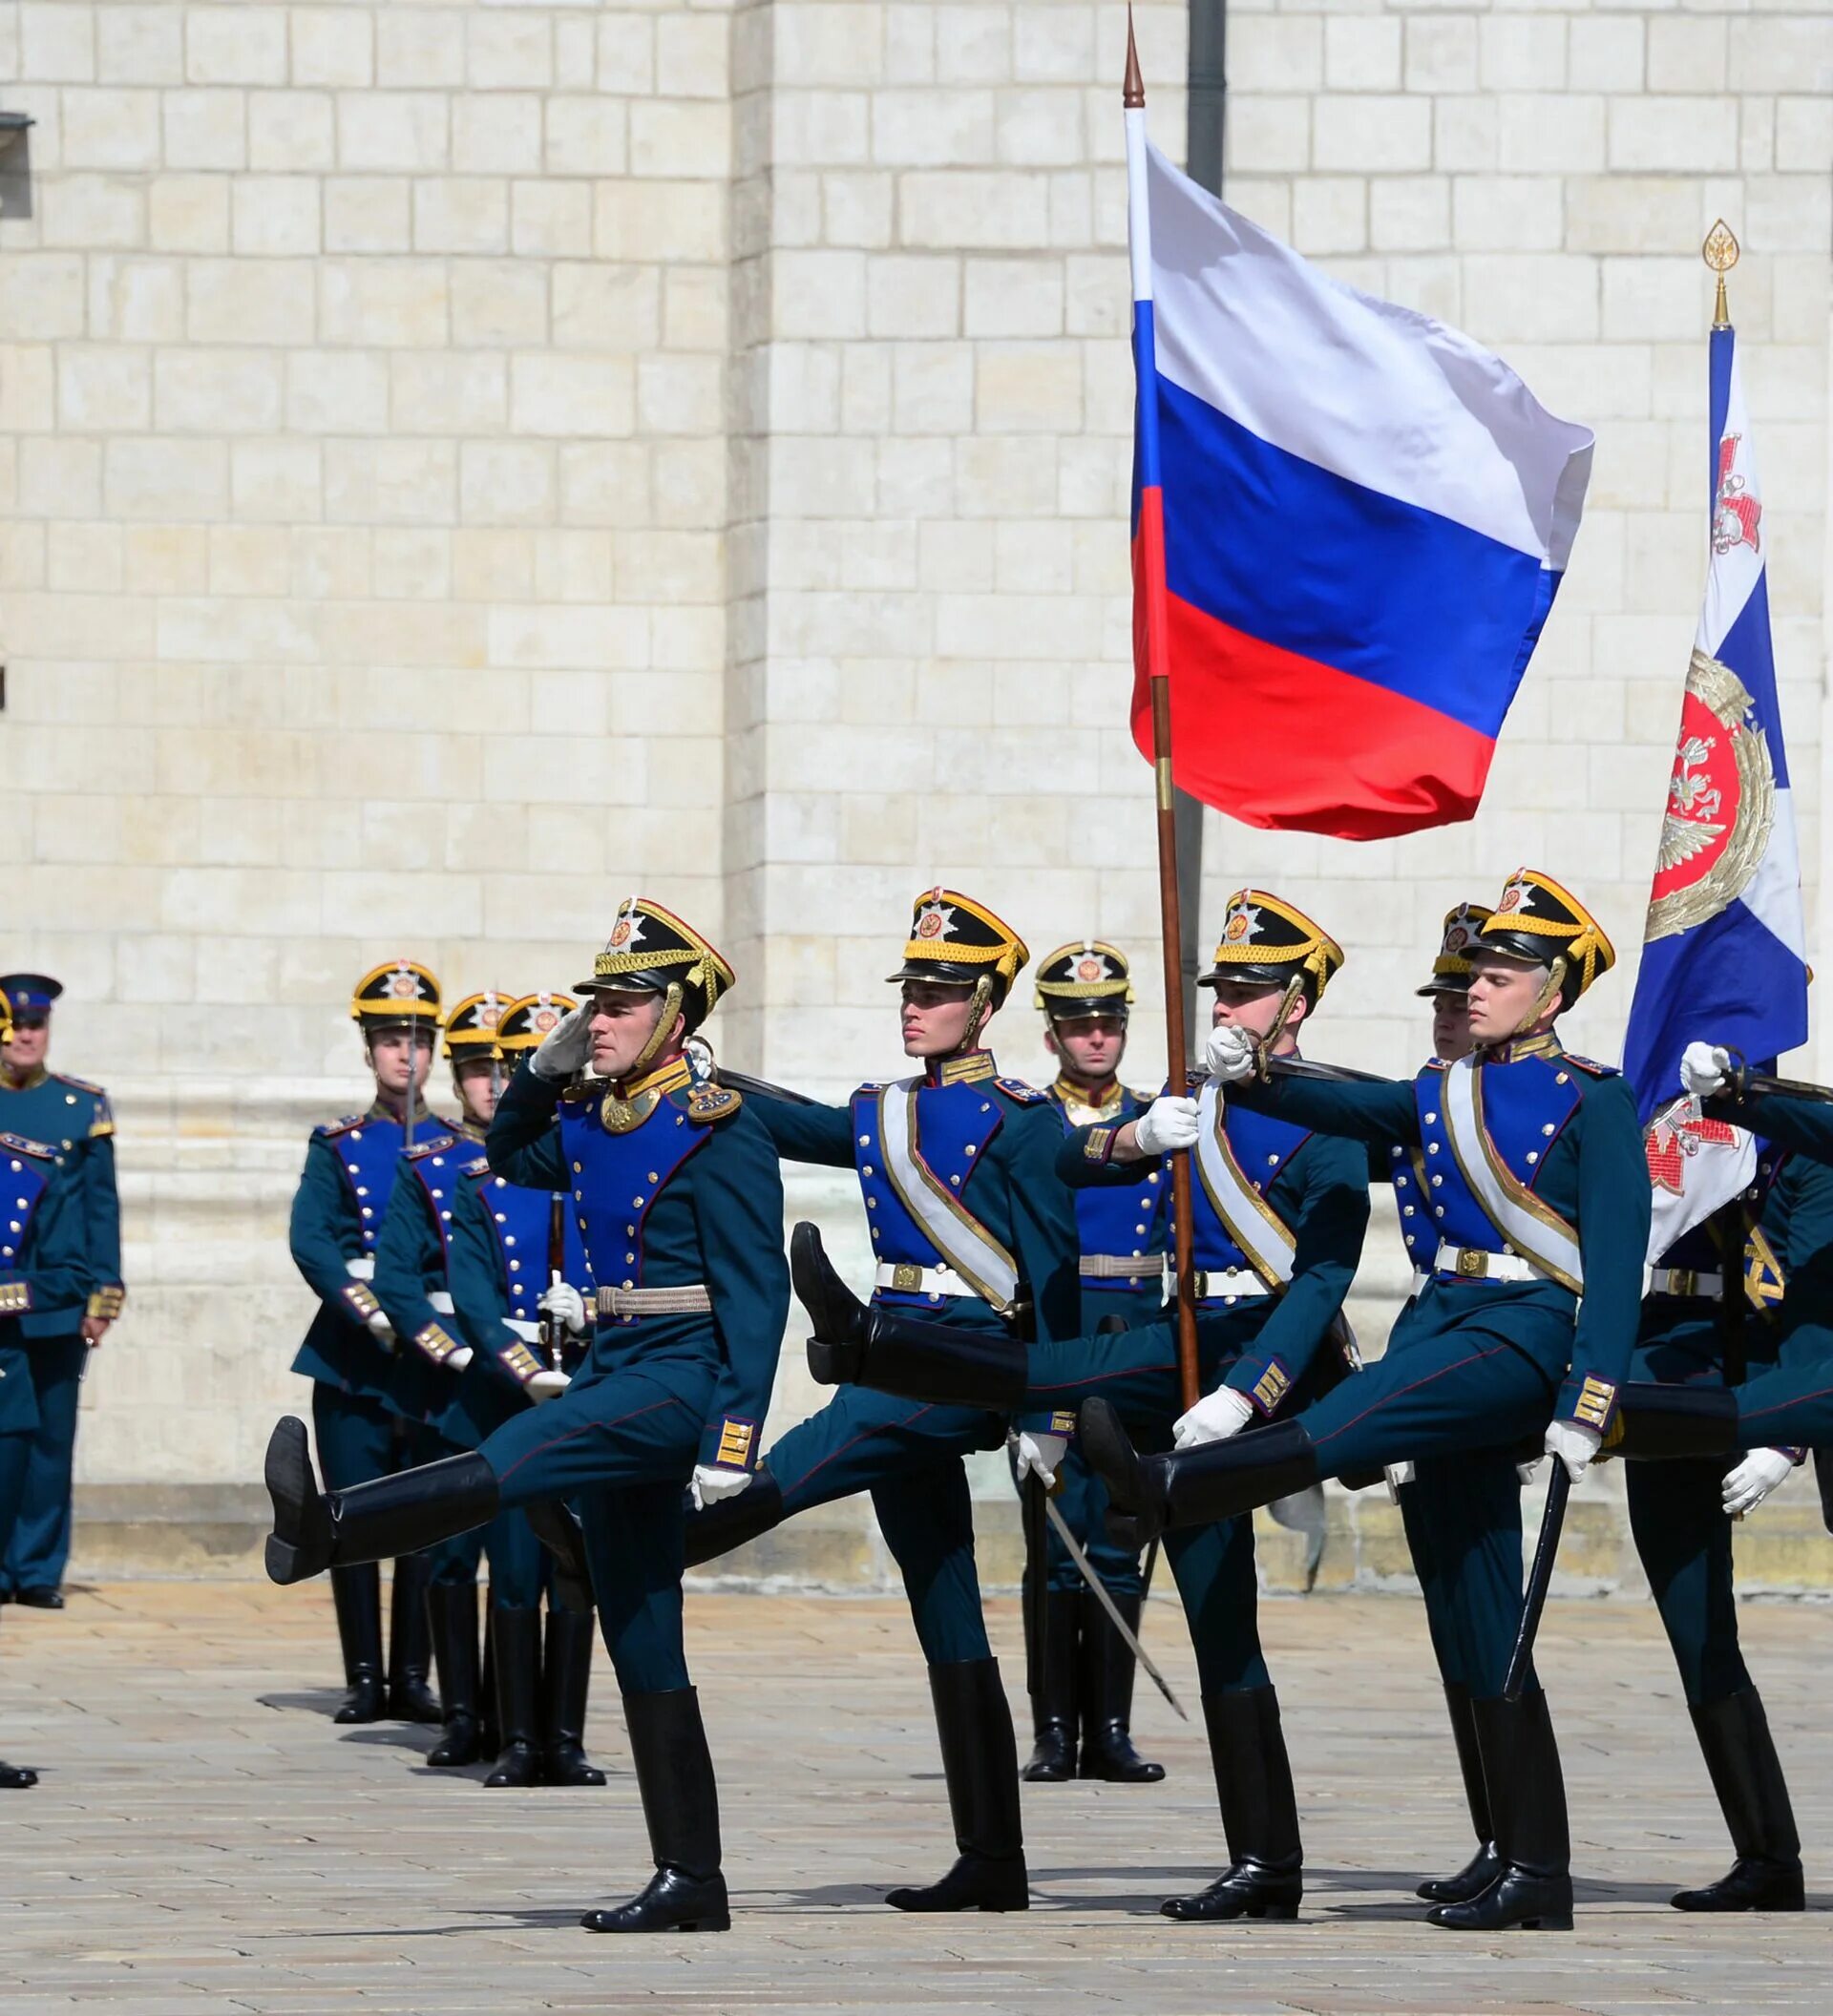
74, 1117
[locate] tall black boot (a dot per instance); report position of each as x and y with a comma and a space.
680, 1808
556, 1526
1753, 1795
453, 1610
1656, 1423
566, 1675
16, 1778
862, 1344
389, 1516
981, 1763
490, 1734
356, 1596
410, 1643
518, 1697
1053, 1695
1528, 1806
1191, 1487
1107, 1673
728, 1524
1486, 1866
1259, 1814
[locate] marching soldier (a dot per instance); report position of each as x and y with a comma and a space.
1279, 1217
969, 1225
370, 1403
1086, 992
51, 1106
676, 1191
1537, 1188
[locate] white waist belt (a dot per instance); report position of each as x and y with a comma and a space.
1121, 1266
1681, 1281
1471, 1263
904, 1277
692, 1301
1215, 1282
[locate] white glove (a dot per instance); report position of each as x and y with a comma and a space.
1753, 1479
547, 1386
1398, 1476
1526, 1473
1166, 1124
362, 1270
563, 1300
1573, 1444
457, 1360
1704, 1069
1039, 1456
520, 1327
1229, 1053
713, 1481
1214, 1418
563, 1048
381, 1327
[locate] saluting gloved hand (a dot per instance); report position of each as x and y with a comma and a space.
563, 1300
563, 1048
713, 1481
1753, 1481
1573, 1444
1169, 1122
1214, 1418
547, 1385
1229, 1053
1039, 1456
1704, 1069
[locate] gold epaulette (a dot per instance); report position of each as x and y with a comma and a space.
1017, 1090
708, 1102
434, 1146
21, 1145
331, 1129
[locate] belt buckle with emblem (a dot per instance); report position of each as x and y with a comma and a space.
906, 1278
1472, 1265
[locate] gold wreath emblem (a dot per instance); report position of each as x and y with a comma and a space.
1719, 690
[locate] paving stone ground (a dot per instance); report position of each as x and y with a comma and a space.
204, 1840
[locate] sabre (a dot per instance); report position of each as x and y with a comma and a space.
1559, 1488
1085, 1569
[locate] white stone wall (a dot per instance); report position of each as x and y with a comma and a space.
459, 462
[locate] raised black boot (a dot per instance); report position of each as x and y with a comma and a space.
863, 1344
681, 1807
1191, 1487
1486, 1866
356, 1596
454, 1611
566, 1675
1259, 1814
1107, 1673
1533, 1890
731, 1522
1657, 1422
410, 1643
1753, 1795
389, 1516
518, 1636
981, 1764
556, 1526
1053, 1697
16, 1778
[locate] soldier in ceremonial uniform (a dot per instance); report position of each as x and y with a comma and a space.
1086, 992
51, 1106
1279, 1217
370, 1401
45, 1249
1538, 1191
675, 1188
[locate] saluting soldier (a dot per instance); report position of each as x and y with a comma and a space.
1278, 1231
45, 1245
53, 1107
1086, 1683
676, 1190
969, 1225
370, 1401
1537, 1187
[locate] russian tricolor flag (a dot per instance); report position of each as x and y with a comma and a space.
1364, 519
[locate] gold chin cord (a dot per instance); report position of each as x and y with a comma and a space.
979, 1008
665, 1026
1548, 994
1264, 1045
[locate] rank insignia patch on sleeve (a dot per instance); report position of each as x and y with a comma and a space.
1595, 1400
735, 1439
1272, 1387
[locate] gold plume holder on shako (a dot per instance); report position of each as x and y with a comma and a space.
1721, 252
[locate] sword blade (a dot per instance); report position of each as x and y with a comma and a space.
1085, 1568
1559, 1488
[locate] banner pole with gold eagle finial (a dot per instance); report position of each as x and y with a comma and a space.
1151, 599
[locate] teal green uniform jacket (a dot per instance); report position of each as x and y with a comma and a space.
74, 1117
43, 1259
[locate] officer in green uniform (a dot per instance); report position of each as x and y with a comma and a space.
1086, 992
675, 1187
1279, 1216
1536, 1185
371, 1401
44, 1265
970, 1225
49, 1105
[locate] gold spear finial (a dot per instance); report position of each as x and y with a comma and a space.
1720, 253
1132, 91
